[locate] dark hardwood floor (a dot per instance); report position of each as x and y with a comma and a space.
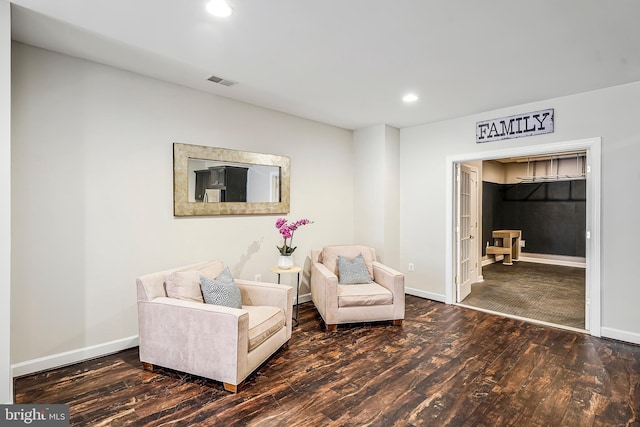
445, 366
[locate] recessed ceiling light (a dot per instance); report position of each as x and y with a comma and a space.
410, 97
219, 8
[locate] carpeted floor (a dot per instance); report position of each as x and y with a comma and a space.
549, 293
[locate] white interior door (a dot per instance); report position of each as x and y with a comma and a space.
466, 229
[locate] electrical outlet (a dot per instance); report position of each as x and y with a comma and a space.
257, 278
411, 266
522, 243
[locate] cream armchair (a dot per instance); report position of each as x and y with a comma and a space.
337, 303
221, 343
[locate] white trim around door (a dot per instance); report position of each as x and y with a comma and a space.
593, 148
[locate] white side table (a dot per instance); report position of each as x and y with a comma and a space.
293, 270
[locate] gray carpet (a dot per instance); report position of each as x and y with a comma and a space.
549, 293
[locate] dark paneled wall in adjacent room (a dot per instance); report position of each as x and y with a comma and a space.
551, 215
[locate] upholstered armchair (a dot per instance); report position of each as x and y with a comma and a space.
348, 285
179, 331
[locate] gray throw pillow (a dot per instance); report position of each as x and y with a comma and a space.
222, 290
352, 271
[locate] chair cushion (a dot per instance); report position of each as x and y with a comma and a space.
185, 284
330, 256
264, 321
222, 290
352, 271
363, 294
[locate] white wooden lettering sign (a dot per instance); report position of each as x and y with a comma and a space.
535, 123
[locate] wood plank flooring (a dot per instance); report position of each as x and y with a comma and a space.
445, 366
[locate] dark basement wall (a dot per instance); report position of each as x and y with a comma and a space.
551, 215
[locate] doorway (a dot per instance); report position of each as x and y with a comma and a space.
592, 147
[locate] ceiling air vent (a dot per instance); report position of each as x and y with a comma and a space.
220, 80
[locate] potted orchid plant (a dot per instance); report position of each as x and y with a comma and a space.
286, 230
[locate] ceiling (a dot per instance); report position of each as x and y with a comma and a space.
349, 62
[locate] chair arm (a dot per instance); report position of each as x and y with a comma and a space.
261, 293
203, 339
324, 291
388, 277
394, 281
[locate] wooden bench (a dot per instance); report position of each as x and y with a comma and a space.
508, 239
497, 250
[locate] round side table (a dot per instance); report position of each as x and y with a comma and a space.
292, 270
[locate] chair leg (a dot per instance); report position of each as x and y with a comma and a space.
233, 388
397, 322
331, 327
147, 366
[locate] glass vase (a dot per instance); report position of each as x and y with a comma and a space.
285, 262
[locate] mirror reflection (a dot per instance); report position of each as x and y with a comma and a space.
213, 181
220, 181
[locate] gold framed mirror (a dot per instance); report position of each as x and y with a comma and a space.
220, 181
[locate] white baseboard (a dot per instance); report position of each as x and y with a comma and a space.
424, 294
73, 356
81, 354
617, 334
562, 260
566, 261
303, 298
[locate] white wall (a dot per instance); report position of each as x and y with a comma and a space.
92, 197
609, 113
392, 200
369, 187
376, 193
6, 383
